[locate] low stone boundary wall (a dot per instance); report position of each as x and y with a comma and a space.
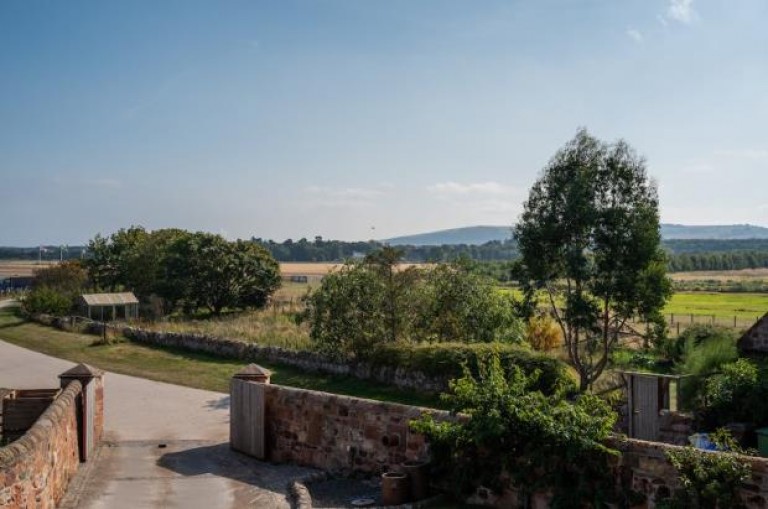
653, 475
234, 349
35, 470
342, 434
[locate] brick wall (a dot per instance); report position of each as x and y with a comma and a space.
36, 469
340, 433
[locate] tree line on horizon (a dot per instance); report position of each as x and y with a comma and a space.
682, 255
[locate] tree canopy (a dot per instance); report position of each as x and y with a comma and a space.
376, 301
192, 270
589, 239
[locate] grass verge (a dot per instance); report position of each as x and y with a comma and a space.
184, 368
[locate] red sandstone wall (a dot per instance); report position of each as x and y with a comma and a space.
36, 469
654, 476
338, 432
342, 433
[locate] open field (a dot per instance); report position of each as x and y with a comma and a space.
741, 305
183, 368
722, 275
21, 268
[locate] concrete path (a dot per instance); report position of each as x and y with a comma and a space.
166, 445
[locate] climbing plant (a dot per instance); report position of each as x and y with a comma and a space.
709, 480
515, 435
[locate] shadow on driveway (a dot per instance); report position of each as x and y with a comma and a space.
221, 461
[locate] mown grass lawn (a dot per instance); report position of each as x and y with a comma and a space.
183, 368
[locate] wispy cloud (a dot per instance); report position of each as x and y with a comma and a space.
635, 35
753, 154
681, 11
334, 196
490, 199
472, 189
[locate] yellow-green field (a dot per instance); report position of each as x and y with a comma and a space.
740, 305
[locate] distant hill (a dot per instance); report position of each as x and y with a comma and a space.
718, 232
482, 234
469, 235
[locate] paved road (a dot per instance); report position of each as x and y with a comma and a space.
166, 445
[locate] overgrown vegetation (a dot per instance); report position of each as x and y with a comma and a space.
370, 303
738, 393
55, 288
709, 480
515, 434
452, 360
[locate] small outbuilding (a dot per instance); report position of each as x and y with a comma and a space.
109, 306
755, 340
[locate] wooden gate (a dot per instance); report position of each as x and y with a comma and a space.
246, 419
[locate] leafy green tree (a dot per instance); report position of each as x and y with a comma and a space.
456, 304
347, 312
208, 271
110, 259
194, 269
589, 239
399, 285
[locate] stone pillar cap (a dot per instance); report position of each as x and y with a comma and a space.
253, 371
81, 371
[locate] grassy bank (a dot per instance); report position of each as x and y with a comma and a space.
182, 368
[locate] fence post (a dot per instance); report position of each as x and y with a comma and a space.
678, 329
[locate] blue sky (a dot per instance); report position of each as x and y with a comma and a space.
358, 119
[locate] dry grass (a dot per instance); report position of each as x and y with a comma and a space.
21, 268
722, 275
266, 327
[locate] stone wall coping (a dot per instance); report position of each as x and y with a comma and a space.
20, 449
356, 400
630, 445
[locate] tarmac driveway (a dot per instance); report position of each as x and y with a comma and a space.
165, 445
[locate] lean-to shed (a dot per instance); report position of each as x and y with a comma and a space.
110, 306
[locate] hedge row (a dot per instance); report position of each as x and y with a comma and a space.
446, 360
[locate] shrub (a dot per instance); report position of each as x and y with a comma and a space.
706, 348
371, 303
514, 431
48, 301
450, 360
709, 480
542, 333
734, 395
